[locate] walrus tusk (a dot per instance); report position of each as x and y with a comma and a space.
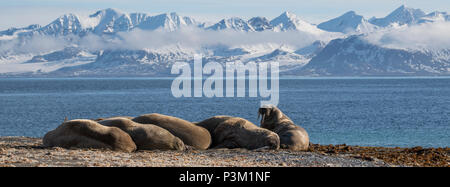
260, 113
263, 116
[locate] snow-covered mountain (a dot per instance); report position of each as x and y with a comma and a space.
350, 22
64, 25
260, 24
13, 33
126, 63
355, 56
402, 15
110, 21
290, 22
66, 53
312, 50
435, 17
285, 22
235, 23
105, 21
168, 22
105, 44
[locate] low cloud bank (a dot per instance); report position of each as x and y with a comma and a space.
193, 38
434, 36
198, 38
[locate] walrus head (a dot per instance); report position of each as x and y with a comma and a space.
273, 141
270, 116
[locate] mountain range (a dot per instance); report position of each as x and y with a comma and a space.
104, 44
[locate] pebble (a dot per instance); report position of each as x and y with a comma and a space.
29, 152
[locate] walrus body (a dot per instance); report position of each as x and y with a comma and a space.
189, 133
100, 119
234, 132
292, 137
89, 134
146, 137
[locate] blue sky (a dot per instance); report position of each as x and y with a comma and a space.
17, 13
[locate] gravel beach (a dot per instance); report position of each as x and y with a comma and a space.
29, 152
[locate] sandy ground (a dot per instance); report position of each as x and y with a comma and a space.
29, 152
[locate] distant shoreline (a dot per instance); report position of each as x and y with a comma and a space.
25, 151
281, 77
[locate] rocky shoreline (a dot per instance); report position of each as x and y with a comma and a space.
29, 152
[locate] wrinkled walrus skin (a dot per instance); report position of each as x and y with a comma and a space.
100, 119
292, 137
89, 134
146, 137
233, 132
189, 133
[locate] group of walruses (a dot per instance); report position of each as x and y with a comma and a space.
161, 132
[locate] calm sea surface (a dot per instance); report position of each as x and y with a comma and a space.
402, 112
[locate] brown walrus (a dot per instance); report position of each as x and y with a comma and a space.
292, 137
234, 132
146, 137
89, 134
189, 133
100, 119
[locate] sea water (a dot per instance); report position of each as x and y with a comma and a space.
403, 112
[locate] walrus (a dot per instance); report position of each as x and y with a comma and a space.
234, 132
89, 134
190, 134
100, 119
292, 136
146, 137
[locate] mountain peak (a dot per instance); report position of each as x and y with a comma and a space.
69, 16
63, 25
106, 21
435, 16
173, 14
402, 15
108, 11
288, 21
166, 21
234, 23
167, 15
404, 8
260, 23
350, 13
288, 15
347, 23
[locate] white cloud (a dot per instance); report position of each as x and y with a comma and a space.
198, 38
35, 45
188, 37
424, 36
